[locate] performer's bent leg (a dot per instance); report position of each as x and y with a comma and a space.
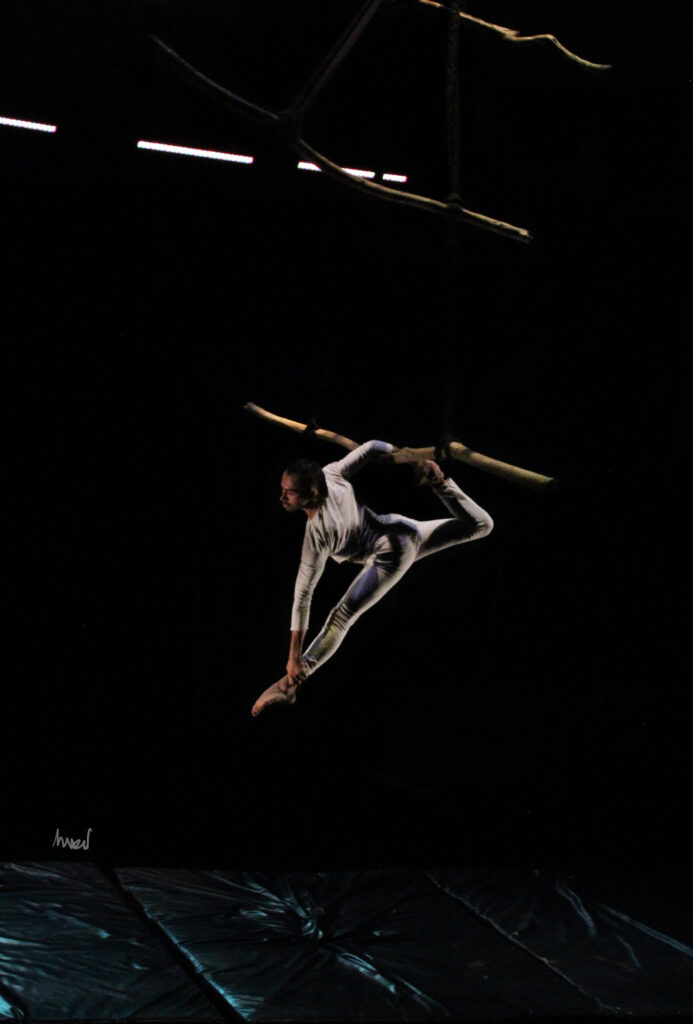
396, 552
471, 521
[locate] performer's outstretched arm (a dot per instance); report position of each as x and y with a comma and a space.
360, 456
310, 570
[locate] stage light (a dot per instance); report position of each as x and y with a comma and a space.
394, 177
208, 154
303, 166
33, 126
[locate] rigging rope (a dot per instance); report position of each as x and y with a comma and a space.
452, 91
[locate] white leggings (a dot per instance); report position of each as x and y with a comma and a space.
401, 543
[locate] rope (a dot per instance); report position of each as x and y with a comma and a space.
452, 89
310, 428
452, 97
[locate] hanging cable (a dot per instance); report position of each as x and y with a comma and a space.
452, 108
452, 96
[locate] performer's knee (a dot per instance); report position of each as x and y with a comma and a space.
341, 616
485, 526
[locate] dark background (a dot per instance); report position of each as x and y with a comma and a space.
522, 700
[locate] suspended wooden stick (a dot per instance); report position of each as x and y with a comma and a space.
459, 451
454, 210
513, 36
289, 122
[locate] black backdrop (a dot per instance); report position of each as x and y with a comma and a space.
519, 700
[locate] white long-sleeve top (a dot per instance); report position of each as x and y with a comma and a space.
340, 529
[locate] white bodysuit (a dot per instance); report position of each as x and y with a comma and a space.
386, 545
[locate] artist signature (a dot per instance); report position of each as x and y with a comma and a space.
74, 844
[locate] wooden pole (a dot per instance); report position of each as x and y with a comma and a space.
514, 474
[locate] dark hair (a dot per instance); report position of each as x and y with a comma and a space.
310, 481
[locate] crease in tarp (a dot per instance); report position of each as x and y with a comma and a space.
577, 905
364, 967
608, 1008
565, 920
190, 968
651, 932
630, 951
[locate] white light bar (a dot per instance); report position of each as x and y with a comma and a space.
359, 174
209, 154
34, 126
304, 166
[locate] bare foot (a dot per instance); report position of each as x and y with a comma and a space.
428, 473
281, 692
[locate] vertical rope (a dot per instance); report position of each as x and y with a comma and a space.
452, 98
452, 91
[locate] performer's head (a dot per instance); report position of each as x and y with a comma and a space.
303, 486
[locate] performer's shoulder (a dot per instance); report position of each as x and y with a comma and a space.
333, 471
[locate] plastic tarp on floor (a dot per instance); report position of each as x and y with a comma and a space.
367, 945
385, 945
399, 944
585, 927
71, 948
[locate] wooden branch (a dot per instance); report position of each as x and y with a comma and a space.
289, 121
479, 220
216, 91
271, 119
459, 451
300, 428
512, 35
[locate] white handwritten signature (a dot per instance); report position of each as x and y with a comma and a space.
74, 844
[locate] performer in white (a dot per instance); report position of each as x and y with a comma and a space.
340, 528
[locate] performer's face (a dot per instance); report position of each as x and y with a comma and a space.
290, 497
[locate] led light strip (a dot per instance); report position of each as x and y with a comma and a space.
33, 126
305, 166
208, 154
359, 174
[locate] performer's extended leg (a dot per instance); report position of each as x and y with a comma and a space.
409, 541
394, 553
470, 522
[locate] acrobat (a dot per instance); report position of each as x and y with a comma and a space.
340, 528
